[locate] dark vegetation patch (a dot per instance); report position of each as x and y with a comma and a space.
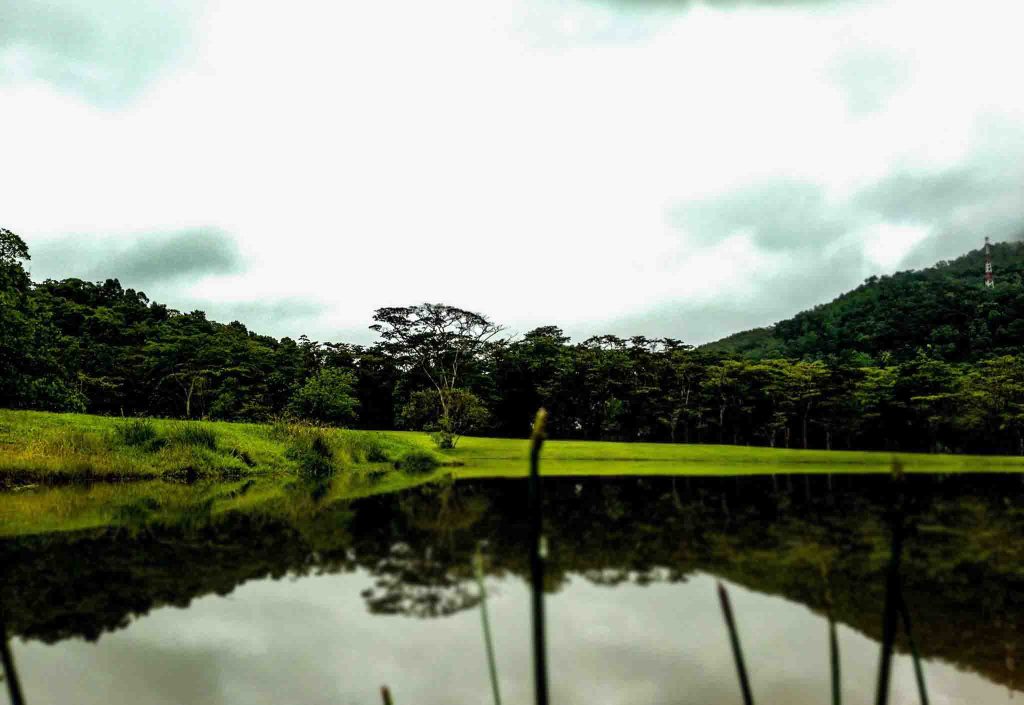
417, 462
312, 451
195, 435
243, 456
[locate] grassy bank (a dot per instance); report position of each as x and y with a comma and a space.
44, 447
502, 457
54, 448
193, 472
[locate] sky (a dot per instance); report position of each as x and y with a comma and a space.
638, 167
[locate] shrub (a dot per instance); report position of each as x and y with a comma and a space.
461, 412
243, 456
311, 450
194, 434
139, 433
364, 448
417, 462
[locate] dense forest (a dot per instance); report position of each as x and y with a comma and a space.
927, 360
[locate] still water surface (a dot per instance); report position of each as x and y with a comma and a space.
326, 606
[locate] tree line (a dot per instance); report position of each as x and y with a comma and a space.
73, 345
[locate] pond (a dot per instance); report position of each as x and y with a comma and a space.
318, 601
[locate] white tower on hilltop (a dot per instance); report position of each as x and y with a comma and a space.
989, 276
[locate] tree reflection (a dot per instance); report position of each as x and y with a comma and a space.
960, 570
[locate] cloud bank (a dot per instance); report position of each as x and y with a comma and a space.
104, 50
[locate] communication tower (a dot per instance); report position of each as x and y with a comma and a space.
989, 276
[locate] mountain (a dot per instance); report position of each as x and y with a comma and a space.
945, 308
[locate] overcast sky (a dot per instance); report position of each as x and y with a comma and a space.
638, 167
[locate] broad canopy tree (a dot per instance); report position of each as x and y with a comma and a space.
440, 341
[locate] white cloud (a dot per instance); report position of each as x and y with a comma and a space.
517, 159
887, 245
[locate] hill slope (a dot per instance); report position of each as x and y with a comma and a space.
945, 308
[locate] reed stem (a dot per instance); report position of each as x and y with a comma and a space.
478, 563
538, 552
922, 690
10, 673
737, 650
890, 621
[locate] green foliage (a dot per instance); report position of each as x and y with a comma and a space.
365, 448
417, 462
944, 310
194, 434
311, 450
447, 415
326, 397
37, 446
139, 433
243, 456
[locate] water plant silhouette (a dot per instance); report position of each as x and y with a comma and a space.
538, 553
10, 672
478, 568
737, 649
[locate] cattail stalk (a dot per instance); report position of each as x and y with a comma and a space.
737, 650
478, 564
538, 552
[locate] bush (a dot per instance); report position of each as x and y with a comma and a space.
243, 456
311, 450
417, 462
194, 434
138, 433
364, 448
462, 412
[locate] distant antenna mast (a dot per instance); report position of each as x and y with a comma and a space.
989, 276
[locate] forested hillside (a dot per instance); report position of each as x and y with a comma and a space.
943, 309
926, 360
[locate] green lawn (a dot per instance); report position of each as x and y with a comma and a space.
501, 457
44, 447
256, 468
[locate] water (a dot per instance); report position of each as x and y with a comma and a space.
325, 602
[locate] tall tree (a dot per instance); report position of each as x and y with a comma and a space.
440, 341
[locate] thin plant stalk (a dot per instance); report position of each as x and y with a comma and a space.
737, 650
10, 673
833, 640
492, 666
922, 690
385, 695
833, 644
890, 617
538, 552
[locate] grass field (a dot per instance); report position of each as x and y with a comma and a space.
70, 472
501, 457
44, 447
